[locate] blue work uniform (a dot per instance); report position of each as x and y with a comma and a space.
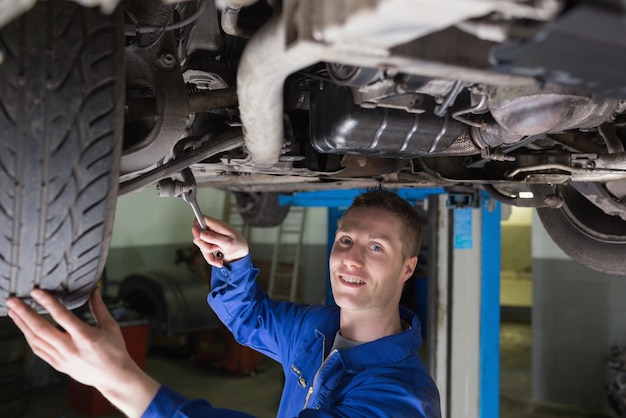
382, 378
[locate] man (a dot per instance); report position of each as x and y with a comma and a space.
358, 358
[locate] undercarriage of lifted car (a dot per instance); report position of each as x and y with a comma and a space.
521, 98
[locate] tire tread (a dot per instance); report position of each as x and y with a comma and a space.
59, 161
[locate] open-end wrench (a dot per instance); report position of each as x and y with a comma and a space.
189, 196
187, 190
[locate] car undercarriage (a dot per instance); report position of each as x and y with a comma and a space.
523, 99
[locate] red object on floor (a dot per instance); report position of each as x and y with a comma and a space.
218, 349
86, 399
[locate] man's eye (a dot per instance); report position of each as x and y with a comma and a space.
377, 247
345, 240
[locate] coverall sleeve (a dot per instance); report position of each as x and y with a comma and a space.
170, 404
254, 319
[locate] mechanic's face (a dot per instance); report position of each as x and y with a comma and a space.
367, 269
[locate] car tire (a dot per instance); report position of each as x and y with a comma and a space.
585, 233
261, 209
61, 120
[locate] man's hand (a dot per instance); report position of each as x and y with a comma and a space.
219, 236
92, 355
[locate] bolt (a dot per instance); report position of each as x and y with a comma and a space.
551, 201
590, 164
166, 61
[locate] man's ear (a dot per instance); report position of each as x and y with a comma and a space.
409, 267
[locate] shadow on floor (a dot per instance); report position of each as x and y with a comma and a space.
515, 379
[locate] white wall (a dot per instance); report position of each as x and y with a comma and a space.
515, 279
542, 245
577, 315
144, 218
519, 216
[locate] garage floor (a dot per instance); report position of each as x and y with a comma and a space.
259, 394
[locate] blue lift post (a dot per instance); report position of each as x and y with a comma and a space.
490, 308
337, 201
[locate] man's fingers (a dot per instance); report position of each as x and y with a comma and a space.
209, 247
207, 252
35, 329
216, 261
16, 311
213, 223
217, 226
99, 309
195, 229
25, 317
210, 235
59, 313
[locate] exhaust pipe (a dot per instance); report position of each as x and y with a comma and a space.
265, 64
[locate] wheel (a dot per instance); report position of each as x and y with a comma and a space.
586, 233
61, 118
261, 209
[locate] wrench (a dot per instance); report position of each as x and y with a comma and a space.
187, 190
189, 196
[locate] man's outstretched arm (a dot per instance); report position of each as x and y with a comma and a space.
97, 356
92, 355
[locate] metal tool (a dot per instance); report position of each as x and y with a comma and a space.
189, 196
186, 190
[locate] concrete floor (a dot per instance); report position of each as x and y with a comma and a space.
259, 394
515, 379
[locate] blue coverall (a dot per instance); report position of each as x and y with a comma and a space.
382, 378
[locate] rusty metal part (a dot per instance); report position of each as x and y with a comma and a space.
221, 143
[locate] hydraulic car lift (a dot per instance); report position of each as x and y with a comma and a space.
463, 315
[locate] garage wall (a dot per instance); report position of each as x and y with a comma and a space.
577, 315
516, 260
144, 218
149, 229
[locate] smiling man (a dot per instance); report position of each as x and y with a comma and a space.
356, 359
369, 266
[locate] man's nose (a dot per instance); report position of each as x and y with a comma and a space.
353, 257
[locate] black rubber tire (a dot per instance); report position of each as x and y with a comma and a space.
61, 123
261, 209
586, 233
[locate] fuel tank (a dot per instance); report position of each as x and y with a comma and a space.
339, 126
